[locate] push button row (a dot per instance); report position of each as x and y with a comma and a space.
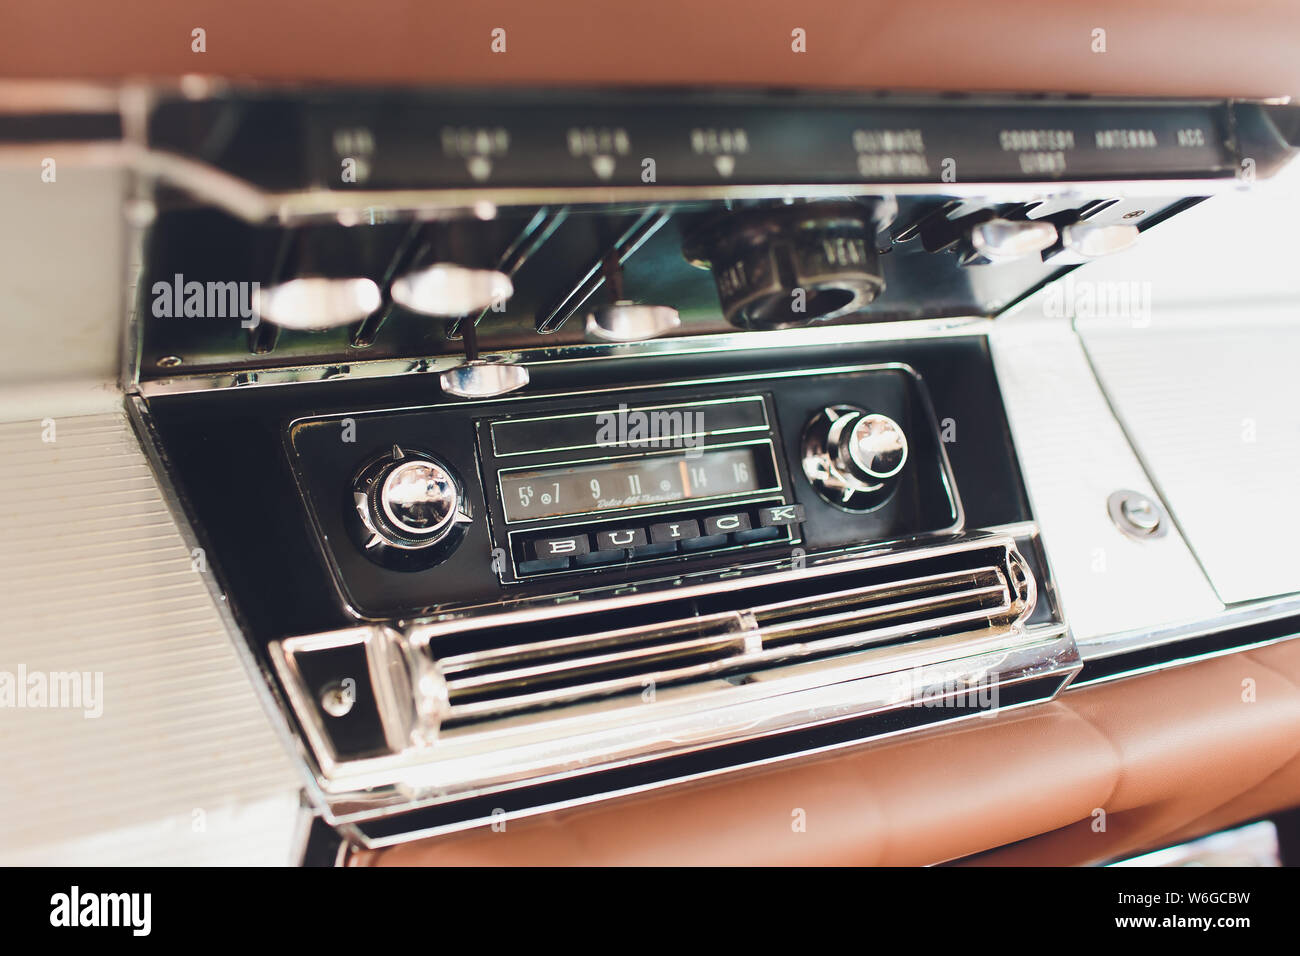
664, 537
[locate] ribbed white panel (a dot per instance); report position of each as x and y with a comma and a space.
1212, 402
95, 578
1073, 455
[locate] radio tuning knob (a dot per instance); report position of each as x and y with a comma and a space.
412, 509
853, 457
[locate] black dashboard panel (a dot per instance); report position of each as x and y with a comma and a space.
239, 472
923, 501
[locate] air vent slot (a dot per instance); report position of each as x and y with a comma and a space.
925, 604
544, 658
589, 665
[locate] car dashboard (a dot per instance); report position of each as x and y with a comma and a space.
588, 463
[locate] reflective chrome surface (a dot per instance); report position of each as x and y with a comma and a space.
1091, 240
629, 322
1002, 240
420, 498
850, 455
447, 290
1137, 515
317, 303
480, 379
877, 446
994, 645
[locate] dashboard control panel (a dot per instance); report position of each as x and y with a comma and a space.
429, 508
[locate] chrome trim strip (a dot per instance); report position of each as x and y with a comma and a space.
1124, 642
347, 823
533, 748
578, 352
476, 760
1179, 661
425, 634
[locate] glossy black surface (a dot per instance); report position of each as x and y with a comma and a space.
208, 247
534, 141
920, 503
414, 138
227, 454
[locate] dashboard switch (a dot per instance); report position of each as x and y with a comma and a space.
670, 531
727, 524
1093, 239
621, 538
781, 515
549, 549
1002, 240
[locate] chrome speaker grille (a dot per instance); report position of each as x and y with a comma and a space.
771, 624
522, 700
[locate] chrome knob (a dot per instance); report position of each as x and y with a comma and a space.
1003, 240
480, 379
628, 322
852, 457
1093, 239
419, 498
877, 447
409, 502
315, 303
448, 290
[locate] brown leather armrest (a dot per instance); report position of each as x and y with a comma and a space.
1155, 47
1165, 754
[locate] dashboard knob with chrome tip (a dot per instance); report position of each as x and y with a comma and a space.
316, 303
482, 379
410, 509
1005, 240
625, 321
853, 457
1093, 239
448, 290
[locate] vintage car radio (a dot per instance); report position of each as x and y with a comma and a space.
435, 507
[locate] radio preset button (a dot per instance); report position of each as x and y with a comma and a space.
550, 549
726, 524
670, 531
781, 515
620, 538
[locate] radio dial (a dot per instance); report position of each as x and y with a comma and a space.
412, 503
853, 457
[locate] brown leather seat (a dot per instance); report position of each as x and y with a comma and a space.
1156, 47
1166, 756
